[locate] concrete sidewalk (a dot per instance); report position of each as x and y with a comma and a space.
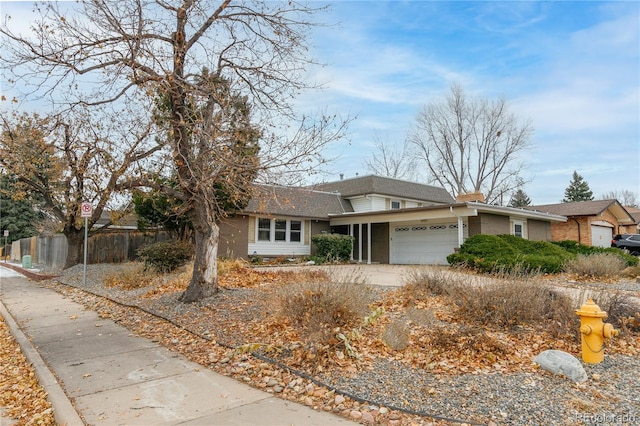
111, 377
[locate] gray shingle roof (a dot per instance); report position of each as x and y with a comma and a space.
586, 208
386, 186
578, 208
293, 201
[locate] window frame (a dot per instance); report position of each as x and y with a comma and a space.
263, 229
520, 223
276, 231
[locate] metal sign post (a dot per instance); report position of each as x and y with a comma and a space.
4, 251
86, 211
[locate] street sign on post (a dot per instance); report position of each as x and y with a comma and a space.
86, 210
4, 248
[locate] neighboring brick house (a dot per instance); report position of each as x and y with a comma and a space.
392, 221
633, 228
591, 223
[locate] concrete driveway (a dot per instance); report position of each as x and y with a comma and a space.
397, 276
376, 274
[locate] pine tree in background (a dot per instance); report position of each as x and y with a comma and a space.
519, 199
578, 190
18, 212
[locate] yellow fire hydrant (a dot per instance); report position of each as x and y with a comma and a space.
593, 332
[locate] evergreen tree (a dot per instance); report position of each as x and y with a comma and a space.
18, 213
519, 199
578, 190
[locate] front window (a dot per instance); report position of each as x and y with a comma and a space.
296, 231
518, 229
264, 229
281, 230
395, 205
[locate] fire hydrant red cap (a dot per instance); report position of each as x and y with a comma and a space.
590, 309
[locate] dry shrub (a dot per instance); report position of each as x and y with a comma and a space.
228, 266
631, 272
596, 265
353, 275
397, 334
130, 276
427, 282
512, 300
172, 283
621, 311
316, 310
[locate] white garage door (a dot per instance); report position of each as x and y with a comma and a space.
601, 235
423, 243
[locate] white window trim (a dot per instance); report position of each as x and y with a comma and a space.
523, 225
272, 231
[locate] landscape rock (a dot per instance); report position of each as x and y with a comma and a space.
559, 362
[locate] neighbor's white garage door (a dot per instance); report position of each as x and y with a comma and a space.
423, 243
601, 235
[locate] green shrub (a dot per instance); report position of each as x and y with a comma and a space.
489, 253
333, 247
165, 256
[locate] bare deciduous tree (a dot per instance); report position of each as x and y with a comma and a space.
624, 196
73, 161
391, 161
471, 144
214, 68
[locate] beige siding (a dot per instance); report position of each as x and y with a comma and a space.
539, 230
252, 229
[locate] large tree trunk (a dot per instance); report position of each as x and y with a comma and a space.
204, 281
75, 240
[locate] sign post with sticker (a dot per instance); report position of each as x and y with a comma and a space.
86, 211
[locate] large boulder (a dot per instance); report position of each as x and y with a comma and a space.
559, 362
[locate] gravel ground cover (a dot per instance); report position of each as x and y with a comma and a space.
384, 387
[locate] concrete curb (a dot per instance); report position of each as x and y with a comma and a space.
63, 411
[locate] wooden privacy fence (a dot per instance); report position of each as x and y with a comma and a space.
112, 247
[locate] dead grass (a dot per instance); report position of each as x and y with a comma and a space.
596, 265
131, 276
320, 310
510, 298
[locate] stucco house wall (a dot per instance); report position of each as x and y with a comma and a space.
490, 224
234, 237
538, 230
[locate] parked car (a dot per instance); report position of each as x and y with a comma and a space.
629, 242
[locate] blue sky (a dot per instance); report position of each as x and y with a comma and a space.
571, 68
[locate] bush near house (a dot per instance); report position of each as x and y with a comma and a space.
333, 247
166, 256
489, 253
